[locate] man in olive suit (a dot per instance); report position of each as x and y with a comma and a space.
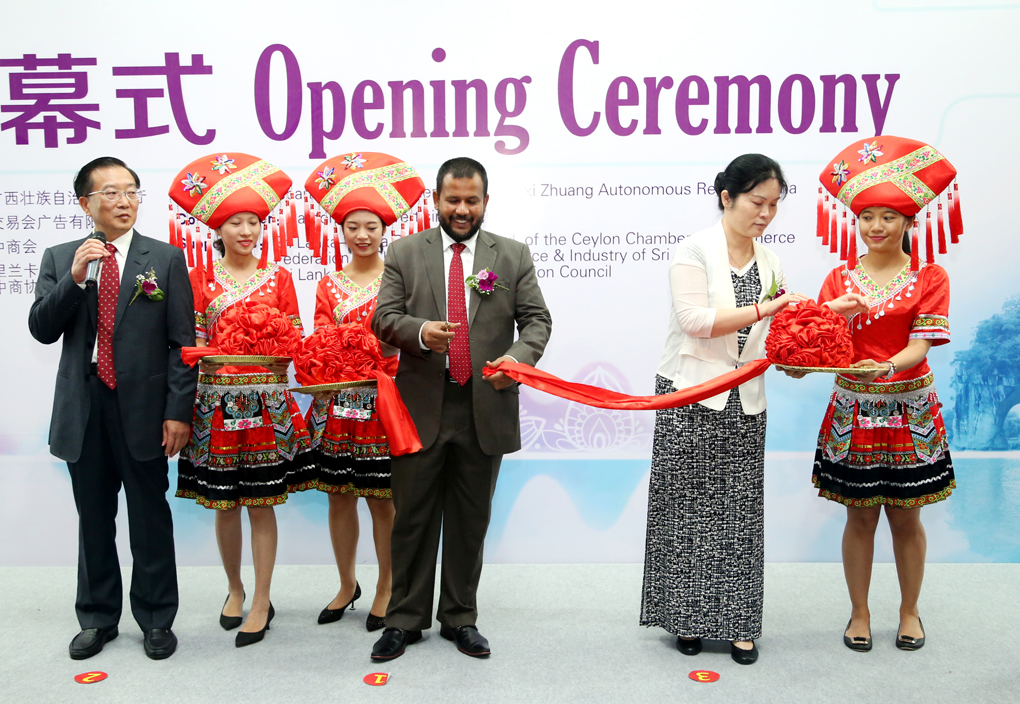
447, 332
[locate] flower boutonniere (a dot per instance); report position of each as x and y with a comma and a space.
777, 289
484, 282
146, 284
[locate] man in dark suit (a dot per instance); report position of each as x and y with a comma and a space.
123, 402
447, 333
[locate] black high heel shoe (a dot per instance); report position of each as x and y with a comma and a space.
374, 623
229, 623
858, 643
244, 638
329, 615
688, 646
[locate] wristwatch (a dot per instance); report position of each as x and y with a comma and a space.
891, 372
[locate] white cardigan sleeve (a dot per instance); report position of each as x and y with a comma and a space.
688, 285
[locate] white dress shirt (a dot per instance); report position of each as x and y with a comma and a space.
122, 244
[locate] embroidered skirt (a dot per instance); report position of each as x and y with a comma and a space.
705, 544
351, 452
884, 443
249, 445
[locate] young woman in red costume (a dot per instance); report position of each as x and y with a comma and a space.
249, 445
352, 454
883, 440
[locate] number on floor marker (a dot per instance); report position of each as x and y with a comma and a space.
90, 677
377, 679
704, 676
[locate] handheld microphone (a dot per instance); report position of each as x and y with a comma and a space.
92, 271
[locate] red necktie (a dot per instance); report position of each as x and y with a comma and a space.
460, 346
109, 289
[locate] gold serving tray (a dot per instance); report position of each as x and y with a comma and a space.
335, 386
832, 370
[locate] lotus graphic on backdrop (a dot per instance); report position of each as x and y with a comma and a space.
566, 426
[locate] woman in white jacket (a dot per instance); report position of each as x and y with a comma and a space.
705, 546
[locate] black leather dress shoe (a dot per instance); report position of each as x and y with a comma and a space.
90, 641
688, 646
469, 640
744, 657
392, 643
160, 643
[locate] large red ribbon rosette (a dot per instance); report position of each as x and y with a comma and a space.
249, 328
809, 335
350, 352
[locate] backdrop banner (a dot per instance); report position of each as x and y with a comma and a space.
602, 134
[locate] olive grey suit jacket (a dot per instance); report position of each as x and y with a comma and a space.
413, 291
153, 384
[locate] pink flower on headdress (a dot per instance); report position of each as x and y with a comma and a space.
194, 184
354, 161
325, 179
840, 173
870, 153
223, 164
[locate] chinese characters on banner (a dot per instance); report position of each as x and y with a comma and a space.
48, 95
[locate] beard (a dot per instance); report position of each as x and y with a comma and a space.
475, 227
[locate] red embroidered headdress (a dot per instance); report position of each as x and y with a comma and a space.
891, 172
218, 186
372, 181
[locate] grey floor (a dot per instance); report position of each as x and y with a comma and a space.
559, 633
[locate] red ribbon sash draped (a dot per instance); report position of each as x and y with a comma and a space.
604, 398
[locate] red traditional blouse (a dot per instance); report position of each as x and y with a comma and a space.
272, 286
912, 306
340, 301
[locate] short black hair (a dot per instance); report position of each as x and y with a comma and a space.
744, 173
462, 167
83, 179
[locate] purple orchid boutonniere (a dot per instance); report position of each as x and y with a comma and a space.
146, 284
484, 282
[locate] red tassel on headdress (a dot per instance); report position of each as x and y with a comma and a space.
279, 232
309, 225
291, 228
942, 231
428, 210
336, 250
820, 225
209, 260
199, 257
955, 216
915, 263
833, 242
929, 244
324, 246
851, 253
421, 219
316, 243
264, 239
190, 252
842, 237
173, 227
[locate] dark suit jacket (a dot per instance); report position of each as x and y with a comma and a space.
414, 290
152, 382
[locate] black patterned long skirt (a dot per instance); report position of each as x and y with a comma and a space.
705, 544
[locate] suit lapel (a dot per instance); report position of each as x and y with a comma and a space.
485, 258
436, 269
134, 264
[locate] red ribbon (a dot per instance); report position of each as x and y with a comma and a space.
604, 398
